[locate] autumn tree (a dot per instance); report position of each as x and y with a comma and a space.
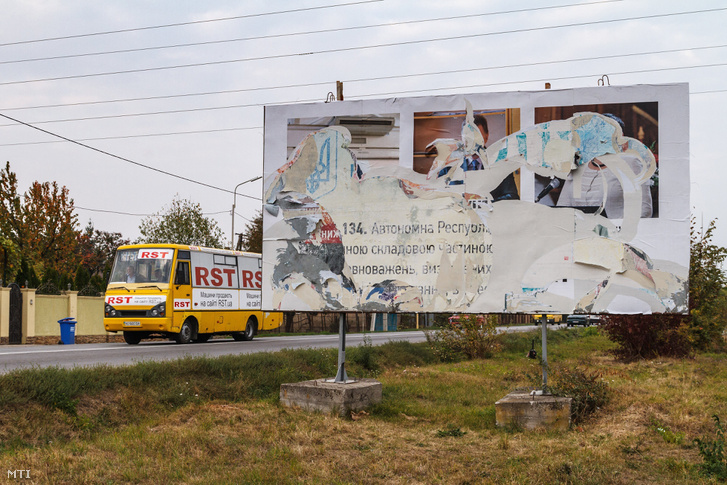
182, 222
10, 211
50, 227
40, 226
98, 248
252, 239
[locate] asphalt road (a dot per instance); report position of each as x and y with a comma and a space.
88, 355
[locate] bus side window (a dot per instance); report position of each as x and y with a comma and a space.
181, 276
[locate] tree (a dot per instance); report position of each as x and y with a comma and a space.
707, 283
649, 336
10, 211
82, 279
40, 226
181, 223
252, 239
98, 248
50, 227
26, 274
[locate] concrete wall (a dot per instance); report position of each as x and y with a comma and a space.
42, 312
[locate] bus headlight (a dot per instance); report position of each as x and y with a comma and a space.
110, 311
159, 310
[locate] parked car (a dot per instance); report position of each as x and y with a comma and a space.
454, 320
583, 320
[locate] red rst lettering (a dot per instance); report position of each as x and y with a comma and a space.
258, 279
200, 276
247, 279
115, 300
153, 254
216, 278
229, 272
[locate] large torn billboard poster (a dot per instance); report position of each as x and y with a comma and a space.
528, 202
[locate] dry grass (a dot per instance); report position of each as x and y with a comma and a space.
397, 442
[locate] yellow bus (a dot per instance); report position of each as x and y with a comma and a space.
185, 293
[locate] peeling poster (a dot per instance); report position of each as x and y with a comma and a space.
559, 202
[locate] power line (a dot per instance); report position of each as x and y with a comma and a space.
348, 49
124, 159
361, 97
112, 212
456, 71
546, 79
151, 113
168, 96
180, 24
377, 78
143, 135
106, 211
423, 90
310, 32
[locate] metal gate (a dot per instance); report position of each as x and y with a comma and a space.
15, 334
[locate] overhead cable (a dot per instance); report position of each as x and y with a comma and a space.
366, 79
349, 49
292, 34
179, 24
125, 159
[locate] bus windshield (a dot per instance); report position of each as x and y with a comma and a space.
142, 265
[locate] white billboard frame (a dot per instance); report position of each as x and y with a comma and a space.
611, 264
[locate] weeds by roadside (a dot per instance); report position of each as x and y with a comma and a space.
712, 452
219, 421
587, 389
471, 337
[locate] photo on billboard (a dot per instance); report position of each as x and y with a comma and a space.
448, 203
492, 125
638, 121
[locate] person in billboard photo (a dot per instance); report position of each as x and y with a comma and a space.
601, 187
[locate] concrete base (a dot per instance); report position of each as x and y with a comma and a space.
330, 397
521, 409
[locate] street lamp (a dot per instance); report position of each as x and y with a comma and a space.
234, 204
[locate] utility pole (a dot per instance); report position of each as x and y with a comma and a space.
234, 204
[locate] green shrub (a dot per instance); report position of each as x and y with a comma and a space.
712, 452
472, 337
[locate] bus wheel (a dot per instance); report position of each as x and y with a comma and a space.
132, 338
185, 333
249, 332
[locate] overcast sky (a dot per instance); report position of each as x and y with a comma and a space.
179, 86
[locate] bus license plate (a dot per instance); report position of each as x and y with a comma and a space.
132, 324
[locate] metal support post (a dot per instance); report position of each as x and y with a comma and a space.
544, 324
341, 376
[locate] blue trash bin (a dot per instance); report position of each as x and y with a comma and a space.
68, 331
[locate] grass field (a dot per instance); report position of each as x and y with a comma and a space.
219, 421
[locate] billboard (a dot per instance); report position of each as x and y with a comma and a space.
525, 202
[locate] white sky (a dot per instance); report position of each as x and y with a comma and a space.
496, 50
